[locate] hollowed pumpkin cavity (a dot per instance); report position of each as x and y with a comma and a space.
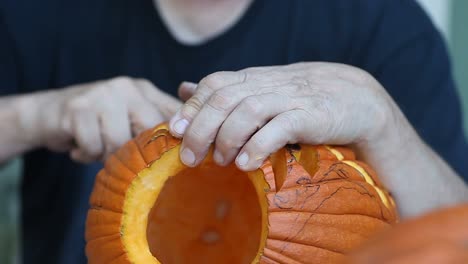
207, 214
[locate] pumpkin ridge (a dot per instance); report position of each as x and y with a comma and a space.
119, 170
135, 162
288, 241
337, 191
110, 187
117, 257
114, 237
140, 152
279, 211
267, 260
365, 191
98, 208
288, 258
115, 176
316, 209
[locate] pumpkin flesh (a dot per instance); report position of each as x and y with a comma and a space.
201, 217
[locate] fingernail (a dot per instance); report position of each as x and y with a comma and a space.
180, 126
218, 157
243, 159
188, 157
190, 85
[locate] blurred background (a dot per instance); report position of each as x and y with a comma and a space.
450, 16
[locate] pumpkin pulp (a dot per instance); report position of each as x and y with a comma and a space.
206, 214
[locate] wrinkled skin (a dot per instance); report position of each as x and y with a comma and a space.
258, 110
93, 120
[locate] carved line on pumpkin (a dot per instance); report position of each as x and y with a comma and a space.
364, 192
312, 213
363, 173
335, 152
279, 165
369, 180
159, 132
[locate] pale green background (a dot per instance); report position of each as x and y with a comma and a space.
459, 47
8, 176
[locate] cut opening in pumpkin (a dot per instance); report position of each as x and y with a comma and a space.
207, 214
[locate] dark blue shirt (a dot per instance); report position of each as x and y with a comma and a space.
55, 43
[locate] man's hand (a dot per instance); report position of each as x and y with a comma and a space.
254, 112
93, 120
251, 113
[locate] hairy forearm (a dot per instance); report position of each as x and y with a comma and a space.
419, 179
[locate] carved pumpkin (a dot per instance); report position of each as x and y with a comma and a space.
305, 205
439, 237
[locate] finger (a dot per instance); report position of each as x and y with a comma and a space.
87, 134
115, 129
204, 127
249, 116
206, 87
80, 156
186, 90
166, 104
143, 116
281, 130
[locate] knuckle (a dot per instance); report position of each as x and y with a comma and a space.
217, 80
220, 100
111, 148
252, 106
291, 123
121, 80
95, 153
78, 104
192, 106
229, 144
212, 81
258, 144
112, 142
195, 138
121, 83
92, 150
144, 83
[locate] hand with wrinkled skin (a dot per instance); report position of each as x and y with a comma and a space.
92, 120
258, 110
252, 113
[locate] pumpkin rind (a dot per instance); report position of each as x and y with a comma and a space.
327, 203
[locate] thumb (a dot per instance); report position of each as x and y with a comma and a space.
186, 90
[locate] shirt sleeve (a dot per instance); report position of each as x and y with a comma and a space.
9, 70
409, 57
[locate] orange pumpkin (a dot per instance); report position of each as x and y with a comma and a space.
436, 238
307, 204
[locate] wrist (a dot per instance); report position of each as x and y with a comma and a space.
392, 134
28, 108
